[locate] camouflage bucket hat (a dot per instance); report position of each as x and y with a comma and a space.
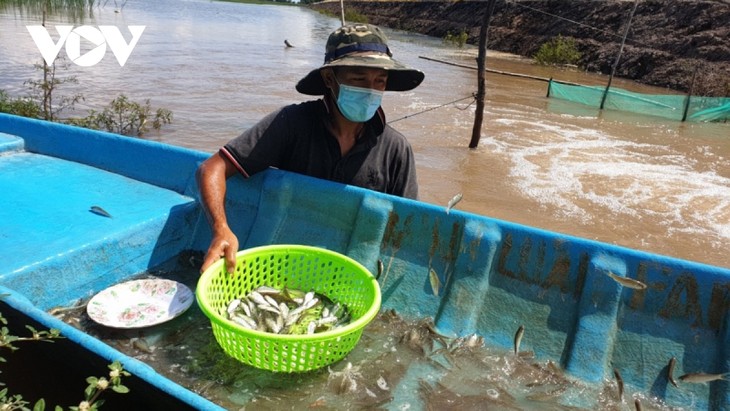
361, 45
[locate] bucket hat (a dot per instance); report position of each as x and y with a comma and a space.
361, 45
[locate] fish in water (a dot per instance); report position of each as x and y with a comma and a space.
518, 338
100, 211
620, 383
670, 371
453, 202
441, 397
142, 345
381, 267
700, 377
287, 43
627, 282
435, 282
59, 311
346, 380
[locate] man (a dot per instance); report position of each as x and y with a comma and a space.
342, 137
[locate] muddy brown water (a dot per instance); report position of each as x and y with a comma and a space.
642, 182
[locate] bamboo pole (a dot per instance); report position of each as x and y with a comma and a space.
618, 57
481, 77
342, 11
689, 94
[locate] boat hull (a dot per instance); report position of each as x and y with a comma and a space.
493, 275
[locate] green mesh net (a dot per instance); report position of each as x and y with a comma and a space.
674, 107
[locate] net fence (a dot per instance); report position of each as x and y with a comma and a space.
674, 107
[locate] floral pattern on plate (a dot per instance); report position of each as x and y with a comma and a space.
140, 303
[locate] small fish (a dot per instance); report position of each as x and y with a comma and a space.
142, 345
700, 377
382, 384
266, 290
435, 282
381, 267
271, 302
670, 371
100, 211
620, 383
518, 338
287, 43
627, 282
453, 202
258, 298
233, 306
56, 311
244, 321
465, 343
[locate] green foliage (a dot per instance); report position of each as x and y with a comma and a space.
40, 101
351, 16
43, 92
8, 340
20, 106
558, 51
121, 116
126, 117
74, 10
92, 393
458, 40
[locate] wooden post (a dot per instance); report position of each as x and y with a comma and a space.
342, 11
481, 76
550, 83
689, 94
618, 57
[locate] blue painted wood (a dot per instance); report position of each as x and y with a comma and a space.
10, 143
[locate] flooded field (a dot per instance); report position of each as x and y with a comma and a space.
398, 364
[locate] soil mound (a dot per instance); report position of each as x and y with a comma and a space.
669, 41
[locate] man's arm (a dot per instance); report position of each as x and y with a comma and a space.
211, 176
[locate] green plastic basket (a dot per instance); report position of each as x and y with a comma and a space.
306, 268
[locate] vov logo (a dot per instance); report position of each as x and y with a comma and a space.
100, 37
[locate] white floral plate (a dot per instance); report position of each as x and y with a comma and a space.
140, 303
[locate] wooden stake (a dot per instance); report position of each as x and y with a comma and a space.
618, 57
342, 11
481, 77
689, 94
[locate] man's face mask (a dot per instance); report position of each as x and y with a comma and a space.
358, 104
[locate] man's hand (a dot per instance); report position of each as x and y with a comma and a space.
211, 176
223, 245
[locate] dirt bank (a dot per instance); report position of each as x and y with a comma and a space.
668, 40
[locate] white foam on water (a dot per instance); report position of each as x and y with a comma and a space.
584, 172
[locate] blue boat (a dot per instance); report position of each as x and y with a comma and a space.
494, 275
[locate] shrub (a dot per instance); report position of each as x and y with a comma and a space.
125, 117
20, 106
352, 16
558, 51
458, 40
97, 385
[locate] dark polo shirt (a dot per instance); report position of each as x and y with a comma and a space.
295, 138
